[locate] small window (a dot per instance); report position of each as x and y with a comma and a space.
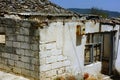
93, 48
2, 38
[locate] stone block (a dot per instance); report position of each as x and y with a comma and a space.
45, 67
16, 44
56, 52
27, 66
25, 45
20, 51
9, 30
50, 46
20, 38
8, 49
27, 52
25, 72
61, 70
57, 65
19, 64
60, 58
42, 75
51, 73
9, 43
26, 24
42, 61
25, 59
42, 47
51, 59
26, 38
34, 46
6, 55
10, 62
24, 31
14, 57
43, 54
2, 29
34, 61
66, 63
17, 70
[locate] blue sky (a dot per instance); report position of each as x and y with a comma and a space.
112, 5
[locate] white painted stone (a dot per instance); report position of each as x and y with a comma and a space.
45, 67
66, 63
60, 58
51, 59
91, 27
51, 73
106, 28
51, 46
57, 65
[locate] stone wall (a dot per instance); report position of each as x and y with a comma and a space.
53, 62
20, 53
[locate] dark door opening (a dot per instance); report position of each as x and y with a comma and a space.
99, 47
108, 50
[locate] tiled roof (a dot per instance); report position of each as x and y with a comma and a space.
32, 7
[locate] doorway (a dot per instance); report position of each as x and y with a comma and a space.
108, 53
99, 47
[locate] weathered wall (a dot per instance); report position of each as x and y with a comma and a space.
93, 27
20, 53
58, 51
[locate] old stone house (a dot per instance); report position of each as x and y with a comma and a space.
41, 41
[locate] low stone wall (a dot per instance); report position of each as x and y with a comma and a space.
20, 53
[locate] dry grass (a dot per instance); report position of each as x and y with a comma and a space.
70, 77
